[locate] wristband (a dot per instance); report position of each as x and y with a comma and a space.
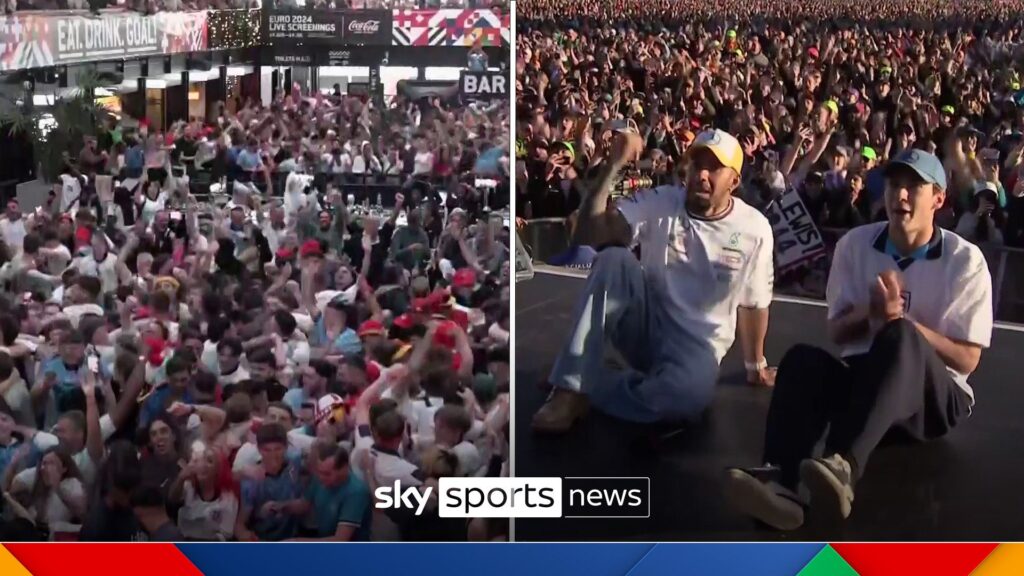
756, 366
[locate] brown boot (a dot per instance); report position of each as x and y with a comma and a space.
560, 412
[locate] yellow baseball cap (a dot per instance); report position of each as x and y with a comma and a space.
724, 145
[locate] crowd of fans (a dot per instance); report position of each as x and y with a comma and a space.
820, 94
173, 369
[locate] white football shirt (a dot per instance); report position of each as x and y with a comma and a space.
701, 269
948, 290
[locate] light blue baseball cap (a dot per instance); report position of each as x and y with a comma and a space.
925, 164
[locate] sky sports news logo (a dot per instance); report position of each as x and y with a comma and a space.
525, 497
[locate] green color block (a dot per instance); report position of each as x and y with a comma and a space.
828, 562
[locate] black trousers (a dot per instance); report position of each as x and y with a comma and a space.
900, 385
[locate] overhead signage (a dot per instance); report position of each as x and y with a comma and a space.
39, 39
483, 85
329, 27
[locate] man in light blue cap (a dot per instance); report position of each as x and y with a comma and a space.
910, 308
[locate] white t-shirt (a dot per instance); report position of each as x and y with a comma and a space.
949, 290
56, 512
235, 377
423, 163
150, 207
57, 260
86, 466
390, 467
702, 270
71, 192
423, 410
75, 312
202, 520
13, 232
469, 457
106, 270
341, 164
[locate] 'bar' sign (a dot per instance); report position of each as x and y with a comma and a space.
483, 85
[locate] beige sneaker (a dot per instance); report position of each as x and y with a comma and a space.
830, 482
562, 409
753, 492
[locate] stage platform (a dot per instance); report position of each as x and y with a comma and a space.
964, 487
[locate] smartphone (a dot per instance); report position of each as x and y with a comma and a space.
175, 215
94, 364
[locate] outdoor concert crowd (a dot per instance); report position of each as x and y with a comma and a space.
216, 332
820, 94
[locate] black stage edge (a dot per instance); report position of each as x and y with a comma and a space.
964, 487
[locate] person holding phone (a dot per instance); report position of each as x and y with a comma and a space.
984, 220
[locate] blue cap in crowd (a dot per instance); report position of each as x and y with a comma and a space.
927, 166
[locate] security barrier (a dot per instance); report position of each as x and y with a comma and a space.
545, 238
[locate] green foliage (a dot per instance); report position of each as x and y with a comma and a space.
75, 116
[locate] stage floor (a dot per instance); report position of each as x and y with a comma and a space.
964, 487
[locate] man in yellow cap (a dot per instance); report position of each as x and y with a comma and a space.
706, 267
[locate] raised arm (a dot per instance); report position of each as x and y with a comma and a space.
93, 431
598, 223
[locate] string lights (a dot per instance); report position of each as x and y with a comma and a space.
233, 29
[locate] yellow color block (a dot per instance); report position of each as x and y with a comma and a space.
9, 565
1005, 560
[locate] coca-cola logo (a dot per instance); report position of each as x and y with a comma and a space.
364, 26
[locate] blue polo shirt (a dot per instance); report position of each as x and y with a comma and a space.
348, 504
347, 343
158, 403
7, 455
249, 161
67, 381
281, 488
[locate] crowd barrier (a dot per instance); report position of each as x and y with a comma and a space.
545, 238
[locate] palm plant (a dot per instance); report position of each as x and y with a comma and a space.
57, 132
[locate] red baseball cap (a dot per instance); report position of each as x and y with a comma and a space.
370, 328
83, 236
285, 253
420, 305
310, 248
464, 278
445, 335
404, 321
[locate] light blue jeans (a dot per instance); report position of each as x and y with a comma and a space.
672, 374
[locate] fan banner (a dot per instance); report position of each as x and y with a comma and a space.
39, 39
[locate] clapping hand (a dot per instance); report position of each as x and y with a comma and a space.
887, 302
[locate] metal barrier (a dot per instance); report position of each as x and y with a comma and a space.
545, 238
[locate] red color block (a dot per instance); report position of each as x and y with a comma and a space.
107, 559
914, 559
